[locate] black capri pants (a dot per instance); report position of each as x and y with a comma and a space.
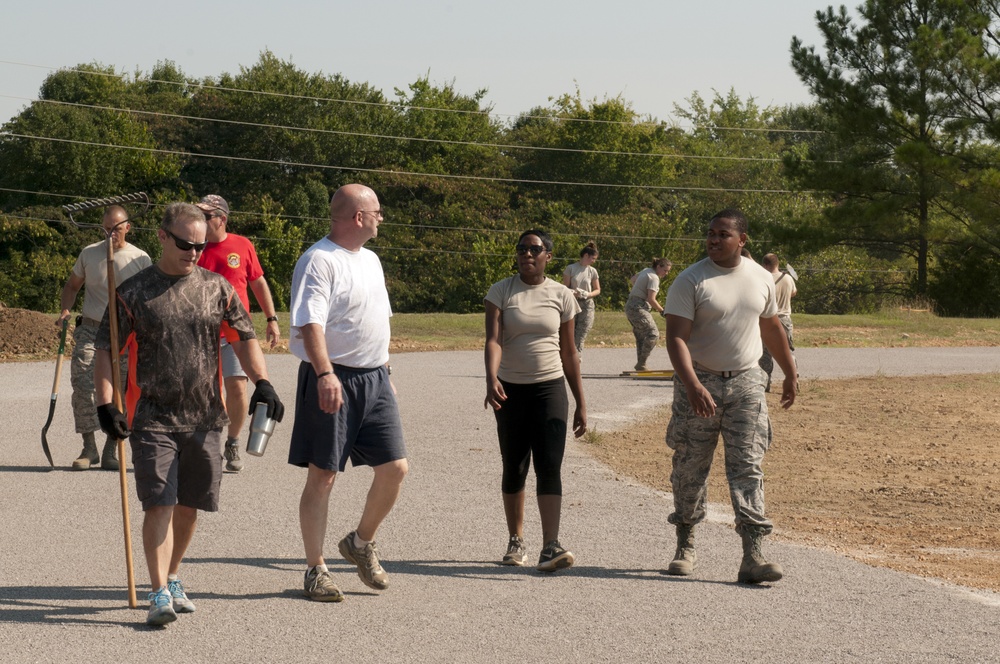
532, 423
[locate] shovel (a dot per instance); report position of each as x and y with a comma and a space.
55, 392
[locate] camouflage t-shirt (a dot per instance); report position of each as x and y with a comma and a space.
171, 327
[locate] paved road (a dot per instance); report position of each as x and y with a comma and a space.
62, 577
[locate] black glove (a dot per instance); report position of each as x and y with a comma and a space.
113, 422
265, 394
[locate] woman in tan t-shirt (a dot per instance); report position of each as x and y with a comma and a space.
530, 355
581, 277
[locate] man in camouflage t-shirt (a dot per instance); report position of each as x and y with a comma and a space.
170, 317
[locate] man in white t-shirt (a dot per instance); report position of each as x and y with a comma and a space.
90, 272
346, 406
718, 312
784, 291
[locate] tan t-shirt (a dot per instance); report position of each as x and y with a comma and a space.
647, 280
581, 276
784, 289
725, 305
530, 317
92, 267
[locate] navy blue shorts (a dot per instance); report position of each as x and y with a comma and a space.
367, 429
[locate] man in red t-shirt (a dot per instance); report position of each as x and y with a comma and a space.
234, 257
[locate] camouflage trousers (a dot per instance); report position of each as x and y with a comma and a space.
741, 417
766, 361
643, 327
583, 322
82, 379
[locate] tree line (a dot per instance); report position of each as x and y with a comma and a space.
883, 188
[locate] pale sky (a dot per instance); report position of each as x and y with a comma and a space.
523, 52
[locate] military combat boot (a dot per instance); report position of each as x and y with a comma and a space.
89, 456
754, 568
109, 456
685, 560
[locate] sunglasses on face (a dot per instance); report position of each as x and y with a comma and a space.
533, 249
184, 245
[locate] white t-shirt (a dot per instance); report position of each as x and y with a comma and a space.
344, 293
581, 276
647, 280
531, 316
92, 266
726, 305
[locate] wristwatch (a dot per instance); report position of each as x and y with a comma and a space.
272, 318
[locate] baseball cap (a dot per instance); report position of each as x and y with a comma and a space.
214, 202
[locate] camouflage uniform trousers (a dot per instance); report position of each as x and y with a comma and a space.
766, 361
643, 327
742, 419
82, 378
583, 322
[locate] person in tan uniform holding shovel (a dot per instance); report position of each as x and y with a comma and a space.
91, 273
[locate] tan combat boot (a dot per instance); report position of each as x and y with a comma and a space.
754, 568
89, 456
685, 560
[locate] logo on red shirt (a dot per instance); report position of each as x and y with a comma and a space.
233, 261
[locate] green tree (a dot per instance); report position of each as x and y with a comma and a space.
600, 143
889, 163
57, 148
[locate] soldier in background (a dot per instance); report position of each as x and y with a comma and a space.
784, 291
91, 273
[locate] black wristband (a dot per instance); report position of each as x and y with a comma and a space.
325, 373
272, 318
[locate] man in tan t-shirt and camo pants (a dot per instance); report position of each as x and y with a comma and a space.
90, 272
718, 312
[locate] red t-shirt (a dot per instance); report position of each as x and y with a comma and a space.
236, 260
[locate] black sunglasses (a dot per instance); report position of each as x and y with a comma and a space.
184, 245
534, 249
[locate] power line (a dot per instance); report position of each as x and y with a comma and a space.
376, 248
248, 213
359, 169
487, 112
386, 223
335, 132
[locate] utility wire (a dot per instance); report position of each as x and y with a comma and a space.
359, 169
376, 247
335, 132
388, 223
466, 229
397, 105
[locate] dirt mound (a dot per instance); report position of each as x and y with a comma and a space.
24, 332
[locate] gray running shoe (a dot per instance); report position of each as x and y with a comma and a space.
319, 586
516, 555
161, 610
554, 557
232, 456
369, 568
181, 602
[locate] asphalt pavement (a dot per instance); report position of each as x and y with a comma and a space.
63, 579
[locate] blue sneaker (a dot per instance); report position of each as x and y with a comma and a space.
161, 610
181, 602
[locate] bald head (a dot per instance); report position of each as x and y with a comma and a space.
112, 220
354, 215
770, 262
349, 200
